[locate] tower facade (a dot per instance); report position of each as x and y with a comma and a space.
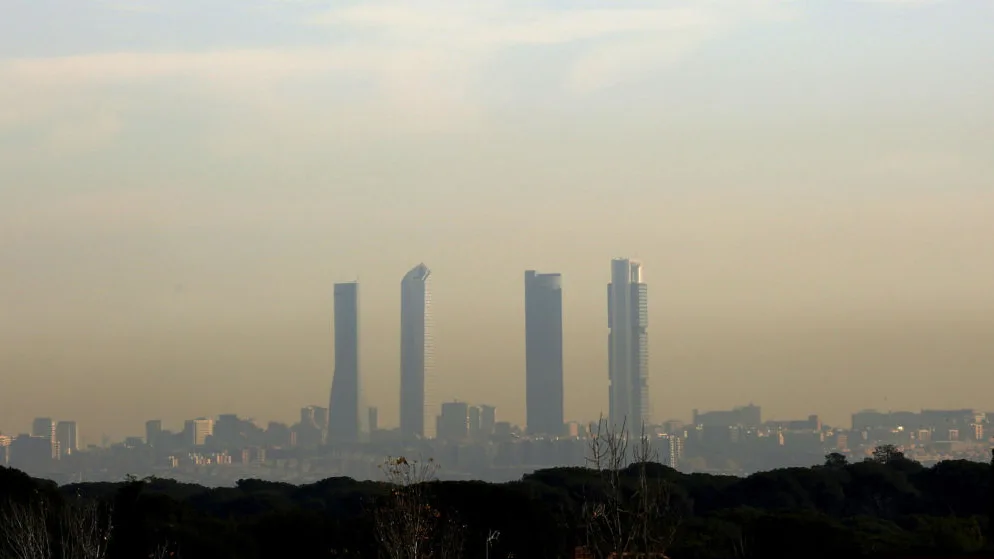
153, 433
67, 437
453, 423
197, 430
628, 346
44, 427
343, 405
543, 353
415, 352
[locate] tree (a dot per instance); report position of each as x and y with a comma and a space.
627, 516
162, 551
79, 529
85, 530
407, 523
836, 460
885, 454
990, 510
25, 531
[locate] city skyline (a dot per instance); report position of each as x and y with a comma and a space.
627, 288
175, 206
64, 439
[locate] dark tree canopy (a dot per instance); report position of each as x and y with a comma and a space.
836, 460
883, 507
887, 453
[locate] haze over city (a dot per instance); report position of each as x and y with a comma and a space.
809, 187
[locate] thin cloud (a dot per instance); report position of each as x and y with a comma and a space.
426, 68
92, 132
393, 42
487, 28
899, 2
612, 45
619, 62
132, 6
215, 65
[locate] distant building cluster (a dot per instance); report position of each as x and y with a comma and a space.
48, 441
471, 443
345, 438
941, 429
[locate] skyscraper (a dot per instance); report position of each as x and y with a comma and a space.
343, 405
198, 430
313, 423
628, 346
475, 431
543, 353
374, 419
153, 432
488, 418
453, 423
67, 437
45, 427
415, 351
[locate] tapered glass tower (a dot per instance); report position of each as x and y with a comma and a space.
415, 352
343, 406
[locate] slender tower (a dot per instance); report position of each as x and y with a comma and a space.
343, 406
628, 346
415, 352
544, 353
67, 437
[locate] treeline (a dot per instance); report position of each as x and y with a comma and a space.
888, 506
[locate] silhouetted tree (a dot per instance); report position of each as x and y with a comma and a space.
836, 460
990, 504
885, 454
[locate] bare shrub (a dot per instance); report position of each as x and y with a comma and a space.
631, 514
163, 551
79, 529
84, 530
407, 523
24, 531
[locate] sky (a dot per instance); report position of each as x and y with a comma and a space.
809, 185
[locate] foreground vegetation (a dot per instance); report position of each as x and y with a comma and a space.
885, 507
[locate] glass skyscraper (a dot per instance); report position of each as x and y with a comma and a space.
415, 352
628, 346
543, 353
343, 406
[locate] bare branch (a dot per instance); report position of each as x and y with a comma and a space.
408, 525
24, 530
162, 552
629, 515
79, 529
84, 530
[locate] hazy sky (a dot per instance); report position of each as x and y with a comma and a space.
809, 184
